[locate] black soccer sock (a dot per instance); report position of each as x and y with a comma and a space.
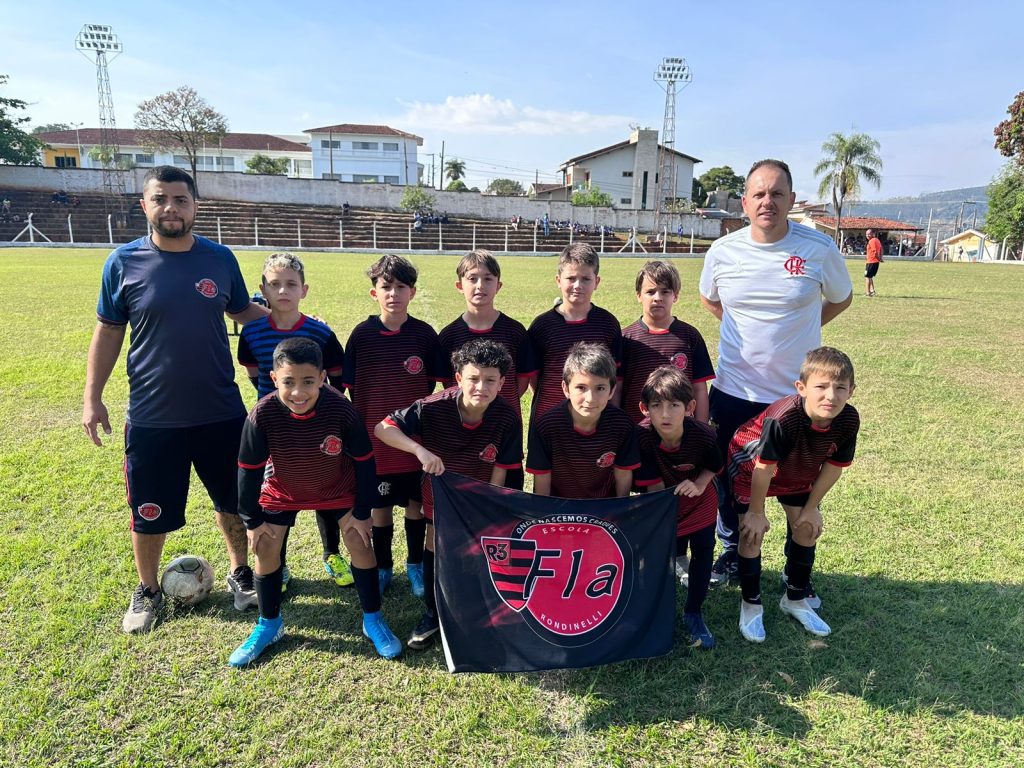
428, 581
749, 569
268, 594
681, 545
284, 546
330, 534
702, 555
382, 536
368, 588
415, 536
798, 569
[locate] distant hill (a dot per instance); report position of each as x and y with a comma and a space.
944, 208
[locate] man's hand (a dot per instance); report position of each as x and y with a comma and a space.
95, 415
753, 527
362, 527
432, 464
256, 535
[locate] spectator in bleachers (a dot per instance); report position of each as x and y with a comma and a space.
345, 208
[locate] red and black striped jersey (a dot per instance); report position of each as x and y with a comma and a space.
311, 456
505, 331
473, 450
697, 451
644, 349
783, 434
582, 464
387, 370
553, 336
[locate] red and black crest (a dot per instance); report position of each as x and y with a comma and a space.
489, 454
606, 459
331, 445
414, 364
795, 265
149, 511
679, 360
509, 561
207, 288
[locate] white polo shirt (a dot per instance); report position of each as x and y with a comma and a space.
771, 306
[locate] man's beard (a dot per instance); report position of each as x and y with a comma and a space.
183, 231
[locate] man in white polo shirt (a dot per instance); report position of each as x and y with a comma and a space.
772, 285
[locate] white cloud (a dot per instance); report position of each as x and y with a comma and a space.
483, 113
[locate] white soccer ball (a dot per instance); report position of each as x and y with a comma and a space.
187, 579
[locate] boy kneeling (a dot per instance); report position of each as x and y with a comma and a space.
323, 460
796, 450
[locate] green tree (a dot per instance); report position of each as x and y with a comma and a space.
270, 166
505, 187
51, 128
458, 185
847, 160
109, 157
1010, 133
1005, 216
721, 177
455, 169
180, 120
417, 199
16, 146
592, 198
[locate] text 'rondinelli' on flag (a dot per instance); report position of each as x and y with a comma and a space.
530, 582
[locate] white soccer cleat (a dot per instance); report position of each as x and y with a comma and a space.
752, 621
802, 612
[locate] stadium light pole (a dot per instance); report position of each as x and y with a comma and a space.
78, 140
673, 70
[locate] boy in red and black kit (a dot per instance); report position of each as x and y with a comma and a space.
468, 429
584, 448
323, 460
391, 360
479, 282
677, 450
658, 338
795, 450
573, 320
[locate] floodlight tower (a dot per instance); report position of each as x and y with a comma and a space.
96, 41
671, 72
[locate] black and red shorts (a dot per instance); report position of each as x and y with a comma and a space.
399, 489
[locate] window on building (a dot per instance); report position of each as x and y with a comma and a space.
304, 167
364, 145
182, 160
226, 163
123, 159
333, 176
391, 180
390, 146
142, 159
325, 144
66, 162
364, 179
625, 200
627, 174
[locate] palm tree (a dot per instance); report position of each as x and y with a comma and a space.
847, 161
455, 169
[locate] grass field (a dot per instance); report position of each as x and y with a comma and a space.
921, 570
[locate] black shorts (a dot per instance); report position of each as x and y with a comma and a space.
790, 500
399, 489
870, 270
287, 517
157, 467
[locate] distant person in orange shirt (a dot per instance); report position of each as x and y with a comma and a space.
874, 258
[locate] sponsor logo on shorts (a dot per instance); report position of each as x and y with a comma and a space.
414, 364
795, 265
489, 454
606, 459
207, 287
331, 445
149, 511
679, 360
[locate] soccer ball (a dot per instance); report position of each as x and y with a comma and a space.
187, 579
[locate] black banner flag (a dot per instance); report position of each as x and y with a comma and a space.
530, 582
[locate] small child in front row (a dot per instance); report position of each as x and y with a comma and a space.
283, 286
322, 460
678, 450
796, 451
468, 429
585, 447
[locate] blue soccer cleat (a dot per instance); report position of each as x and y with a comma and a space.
265, 634
380, 634
700, 635
415, 573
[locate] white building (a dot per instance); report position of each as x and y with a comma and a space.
628, 171
365, 154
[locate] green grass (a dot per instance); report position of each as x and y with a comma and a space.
921, 570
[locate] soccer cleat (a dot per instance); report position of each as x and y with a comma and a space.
700, 635
813, 601
243, 586
725, 569
415, 573
683, 570
384, 576
286, 576
423, 636
339, 570
752, 621
264, 634
802, 612
380, 634
142, 610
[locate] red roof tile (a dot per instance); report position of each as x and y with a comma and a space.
867, 222
128, 137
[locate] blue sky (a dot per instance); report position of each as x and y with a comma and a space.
515, 89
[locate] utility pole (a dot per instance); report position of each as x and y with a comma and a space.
442, 168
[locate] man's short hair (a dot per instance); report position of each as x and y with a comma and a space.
298, 350
392, 269
168, 174
592, 359
870, 233
483, 353
827, 361
772, 164
666, 384
579, 255
661, 273
481, 257
284, 260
